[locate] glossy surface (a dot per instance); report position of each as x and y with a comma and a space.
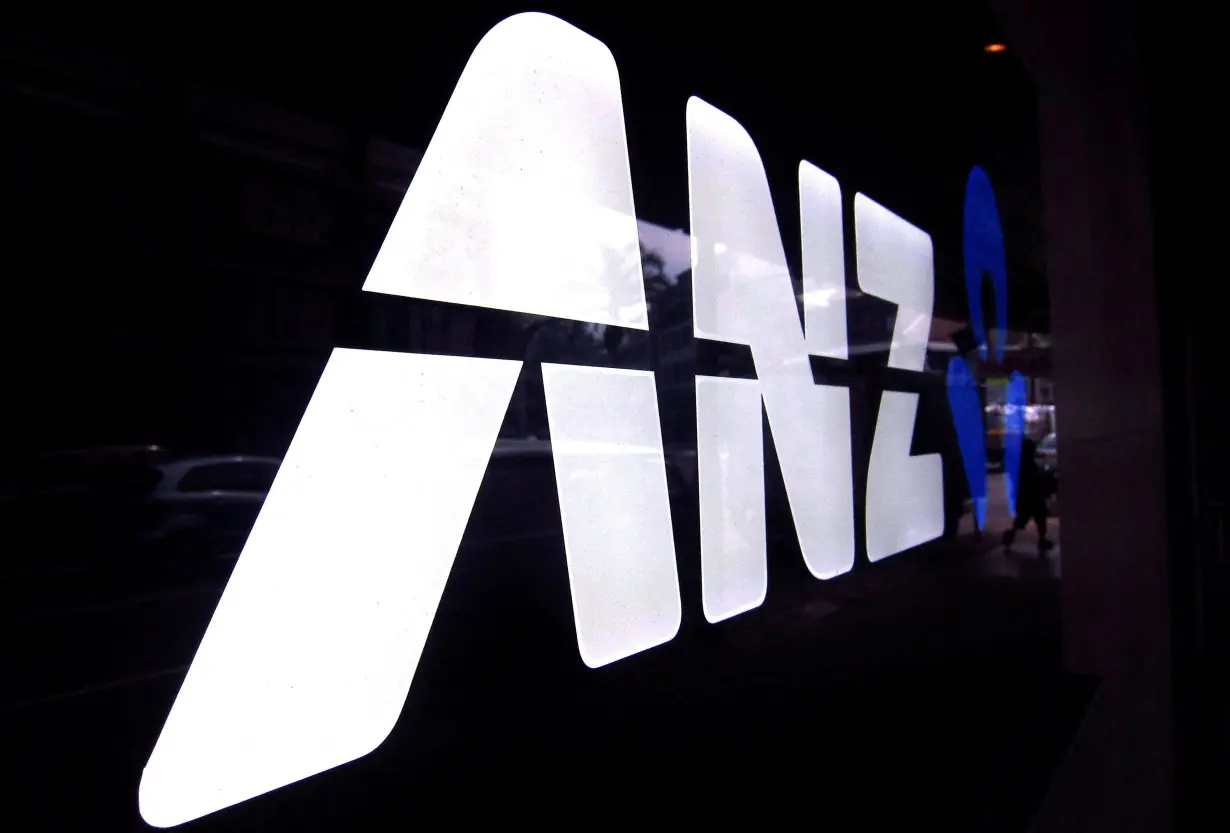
195, 221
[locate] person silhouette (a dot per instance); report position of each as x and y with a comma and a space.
1031, 494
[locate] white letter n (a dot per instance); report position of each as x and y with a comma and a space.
742, 293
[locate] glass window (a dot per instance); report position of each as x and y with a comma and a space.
351, 266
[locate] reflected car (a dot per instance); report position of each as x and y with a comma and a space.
204, 506
511, 570
1047, 456
1048, 453
518, 498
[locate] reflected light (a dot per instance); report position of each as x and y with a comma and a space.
820, 297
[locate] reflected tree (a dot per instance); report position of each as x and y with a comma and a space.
653, 271
538, 338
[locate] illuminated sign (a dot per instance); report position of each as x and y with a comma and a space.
309, 657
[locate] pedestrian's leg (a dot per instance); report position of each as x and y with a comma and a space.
1018, 523
1040, 520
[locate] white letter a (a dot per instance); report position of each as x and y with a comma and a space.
309, 656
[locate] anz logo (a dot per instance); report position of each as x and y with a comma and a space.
309, 657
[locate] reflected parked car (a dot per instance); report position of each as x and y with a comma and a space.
518, 499
511, 570
1048, 453
205, 506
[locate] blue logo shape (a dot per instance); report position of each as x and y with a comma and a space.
984, 255
967, 416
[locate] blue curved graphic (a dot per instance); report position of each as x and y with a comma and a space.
984, 255
966, 408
